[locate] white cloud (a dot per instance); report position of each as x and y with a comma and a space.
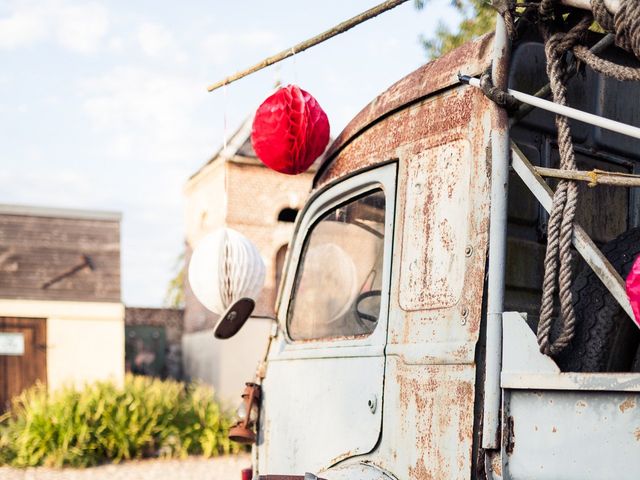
22, 28
63, 187
154, 39
219, 47
141, 101
80, 27
116, 44
150, 121
158, 42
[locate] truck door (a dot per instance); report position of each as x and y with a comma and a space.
322, 394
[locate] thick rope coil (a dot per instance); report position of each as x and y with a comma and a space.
625, 24
602, 15
559, 256
600, 65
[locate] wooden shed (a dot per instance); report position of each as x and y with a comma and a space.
61, 315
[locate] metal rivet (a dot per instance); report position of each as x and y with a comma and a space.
372, 403
465, 314
468, 251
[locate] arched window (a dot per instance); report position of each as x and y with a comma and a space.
287, 215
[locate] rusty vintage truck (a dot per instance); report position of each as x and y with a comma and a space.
405, 344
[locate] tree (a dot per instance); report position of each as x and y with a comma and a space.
174, 296
478, 18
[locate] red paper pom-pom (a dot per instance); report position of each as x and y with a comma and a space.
290, 130
633, 289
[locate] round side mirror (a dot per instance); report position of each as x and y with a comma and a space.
234, 318
226, 274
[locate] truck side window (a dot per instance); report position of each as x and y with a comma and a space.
338, 286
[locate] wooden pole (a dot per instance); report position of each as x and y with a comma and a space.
332, 32
594, 177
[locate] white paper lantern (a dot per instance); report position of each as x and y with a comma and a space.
224, 267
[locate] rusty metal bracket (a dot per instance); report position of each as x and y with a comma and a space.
581, 240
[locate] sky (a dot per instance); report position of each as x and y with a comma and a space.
103, 104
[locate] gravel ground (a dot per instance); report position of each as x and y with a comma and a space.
193, 468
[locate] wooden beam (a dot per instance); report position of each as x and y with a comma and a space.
594, 177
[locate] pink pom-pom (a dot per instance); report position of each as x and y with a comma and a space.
633, 289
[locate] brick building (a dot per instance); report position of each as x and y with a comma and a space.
235, 190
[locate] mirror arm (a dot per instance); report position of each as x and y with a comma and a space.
267, 317
262, 365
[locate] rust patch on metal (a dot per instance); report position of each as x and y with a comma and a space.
473, 57
509, 436
496, 465
630, 402
637, 434
420, 126
420, 472
436, 408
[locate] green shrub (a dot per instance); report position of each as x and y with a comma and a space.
103, 422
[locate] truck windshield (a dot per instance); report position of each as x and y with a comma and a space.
338, 285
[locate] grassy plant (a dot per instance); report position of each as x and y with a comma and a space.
103, 422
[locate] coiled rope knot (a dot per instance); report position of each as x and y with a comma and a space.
625, 23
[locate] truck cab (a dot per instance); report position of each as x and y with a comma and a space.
387, 345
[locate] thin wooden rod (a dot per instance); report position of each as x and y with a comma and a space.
594, 177
332, 32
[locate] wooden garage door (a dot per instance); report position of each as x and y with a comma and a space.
23, 359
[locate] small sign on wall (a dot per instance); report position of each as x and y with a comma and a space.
11, 343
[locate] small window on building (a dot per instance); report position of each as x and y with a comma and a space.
337, 291
287, 215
